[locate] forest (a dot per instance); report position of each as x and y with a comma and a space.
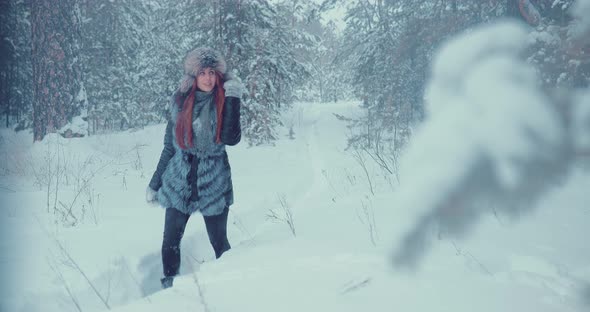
81, 67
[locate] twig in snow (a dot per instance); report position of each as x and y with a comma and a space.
196, 260
199, 288
63, 281
471, 257
240, 225
79, 269
367, 218
73, 262
358, 156
356, 285
325, 174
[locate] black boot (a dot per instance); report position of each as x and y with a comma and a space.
167, 282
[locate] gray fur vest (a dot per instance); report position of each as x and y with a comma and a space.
199, 178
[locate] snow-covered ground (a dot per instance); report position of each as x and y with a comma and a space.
339, 259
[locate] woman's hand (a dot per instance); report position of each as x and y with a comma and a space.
233, 88
150, 195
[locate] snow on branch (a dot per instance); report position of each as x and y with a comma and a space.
493, 140
581, 11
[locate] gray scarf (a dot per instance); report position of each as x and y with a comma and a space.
203, 114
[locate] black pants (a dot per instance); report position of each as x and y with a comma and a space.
174, 226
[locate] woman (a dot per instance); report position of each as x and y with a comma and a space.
193, 173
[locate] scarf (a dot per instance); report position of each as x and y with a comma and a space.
203, 115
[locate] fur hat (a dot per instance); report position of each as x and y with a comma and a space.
196, 60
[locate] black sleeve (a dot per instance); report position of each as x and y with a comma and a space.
231, 131
167, 153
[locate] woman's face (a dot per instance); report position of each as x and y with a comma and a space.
206, 79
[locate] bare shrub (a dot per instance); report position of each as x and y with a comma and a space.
362, 161
283, 214
366, 216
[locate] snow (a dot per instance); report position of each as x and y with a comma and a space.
543, 36
82, 95
581, 122
538, 264
486, 118
581, 12
77, 125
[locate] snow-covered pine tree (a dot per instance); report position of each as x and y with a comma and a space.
337, 79
261, 43
116, 37
256, 27
388, 46
143, 83
319, 47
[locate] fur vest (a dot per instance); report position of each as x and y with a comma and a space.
198, 180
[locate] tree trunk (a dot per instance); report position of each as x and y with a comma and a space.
56, 70
7, 55
9, 98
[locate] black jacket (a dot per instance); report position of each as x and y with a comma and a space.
231, 130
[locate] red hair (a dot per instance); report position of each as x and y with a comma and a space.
184, 120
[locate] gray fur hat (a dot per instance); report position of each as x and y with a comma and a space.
196, 60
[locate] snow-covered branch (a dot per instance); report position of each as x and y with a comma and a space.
493, 141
